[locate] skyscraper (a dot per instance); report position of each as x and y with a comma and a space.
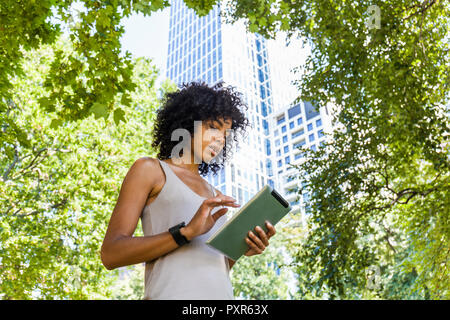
300, 125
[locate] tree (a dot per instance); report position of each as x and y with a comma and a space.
59, 185
385, 66
95, 74
264, 276
384, 174
130, 285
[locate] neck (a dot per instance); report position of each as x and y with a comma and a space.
190, 166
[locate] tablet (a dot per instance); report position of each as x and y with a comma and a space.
266, 204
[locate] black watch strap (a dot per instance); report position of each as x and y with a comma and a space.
176, 234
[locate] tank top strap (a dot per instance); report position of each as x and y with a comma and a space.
171, 176
168, 172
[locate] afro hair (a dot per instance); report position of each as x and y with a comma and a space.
195, 101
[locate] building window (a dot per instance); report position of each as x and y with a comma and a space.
268, 149
287, 160
299, 121
266, 127
318, 122
285, 139
320, 133
291, 125
263, 109
280, 120
298, 145
310, 127
313, 147
279, 163
257, 181
277, 142
292, 112
311, 137
278, 152
286, 149
283, 129
276, 133
310, 110
297, 133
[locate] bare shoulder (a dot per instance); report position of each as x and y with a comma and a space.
151, 169
144, 165
148, 162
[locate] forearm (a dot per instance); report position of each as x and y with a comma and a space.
126, 251
231, 262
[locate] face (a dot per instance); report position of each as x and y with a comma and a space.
214, 133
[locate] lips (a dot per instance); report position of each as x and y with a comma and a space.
214, 150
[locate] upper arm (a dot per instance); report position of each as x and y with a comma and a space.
136, 186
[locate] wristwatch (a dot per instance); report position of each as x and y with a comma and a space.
176, 234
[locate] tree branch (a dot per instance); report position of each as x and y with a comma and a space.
32, 161
423, 7
54, 206
11, 166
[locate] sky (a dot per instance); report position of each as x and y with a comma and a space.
148, 37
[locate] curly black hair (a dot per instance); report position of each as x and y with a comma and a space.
193, 101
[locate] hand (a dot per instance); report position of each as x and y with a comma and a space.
257, 244
203, 220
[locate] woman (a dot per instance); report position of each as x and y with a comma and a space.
179, 209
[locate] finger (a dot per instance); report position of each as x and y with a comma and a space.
256, 240
252, 245
219, 213
270, 229
220, 200
262, 235
218, 203
224, 198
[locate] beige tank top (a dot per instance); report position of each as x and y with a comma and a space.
194, 270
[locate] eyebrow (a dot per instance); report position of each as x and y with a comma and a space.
220, 122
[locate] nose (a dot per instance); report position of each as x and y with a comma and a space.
218, 137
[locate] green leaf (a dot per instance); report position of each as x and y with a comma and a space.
55, 123
253, 27
119, 114
99, 110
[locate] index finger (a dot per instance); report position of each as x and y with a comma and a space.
221, 200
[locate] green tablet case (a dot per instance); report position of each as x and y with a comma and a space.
266, 204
